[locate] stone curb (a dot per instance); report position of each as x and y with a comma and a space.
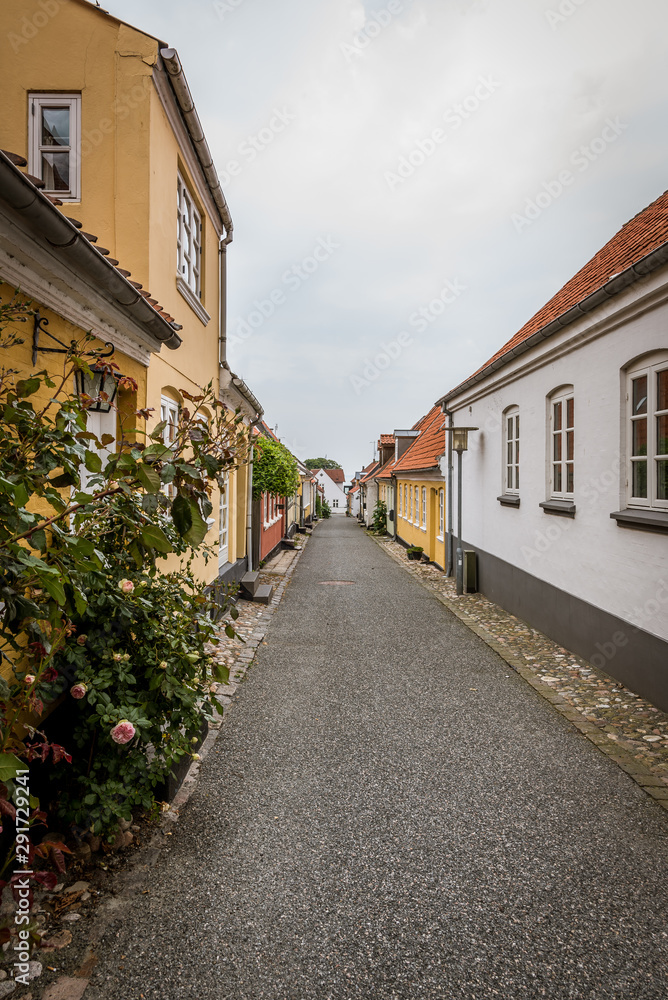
73, 987
642, 776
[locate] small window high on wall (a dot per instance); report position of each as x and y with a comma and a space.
54, 138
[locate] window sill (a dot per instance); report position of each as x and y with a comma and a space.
563, 508
509, 500
644, 520
192, 300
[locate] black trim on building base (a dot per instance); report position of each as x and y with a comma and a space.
645, 520
232, 572
622, 650
565, 508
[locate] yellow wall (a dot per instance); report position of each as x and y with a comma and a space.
415, 534
129, 164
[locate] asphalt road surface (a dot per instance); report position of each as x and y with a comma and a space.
391, 812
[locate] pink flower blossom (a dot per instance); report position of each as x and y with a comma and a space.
123, 732
126, 586
117, 657
29, 679
78, 691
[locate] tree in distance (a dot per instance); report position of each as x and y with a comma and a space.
321, 463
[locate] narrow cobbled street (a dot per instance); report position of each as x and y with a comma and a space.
391, 812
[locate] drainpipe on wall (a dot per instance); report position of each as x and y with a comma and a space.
449, 478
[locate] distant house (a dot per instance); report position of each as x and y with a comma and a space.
331, 481
418, 474
565, 484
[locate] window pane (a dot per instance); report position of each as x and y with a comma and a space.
662, 480
639, 479
557, 478
557, 416
569, 446
662, 435
517, 477
640, 436
662, 390
56, 171
557, 448
569, 412
55, 126
510, 428
569, 477
640, 395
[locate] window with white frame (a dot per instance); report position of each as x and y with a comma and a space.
511, 481
335, 503
266, 508
416, 512
54, 153
648, 436
223, 523
399, 502
169, 415
562, 445
441, 513
188, 239
409, 510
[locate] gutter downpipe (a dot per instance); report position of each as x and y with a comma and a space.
449, 478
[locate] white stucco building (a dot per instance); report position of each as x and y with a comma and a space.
334, 494
565, 484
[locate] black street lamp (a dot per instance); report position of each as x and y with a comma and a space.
460, 443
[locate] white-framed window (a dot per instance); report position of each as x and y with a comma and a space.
424, 506
511, 479
335, 503
409, 503
54, 143
188, 239
416, 512
223, 523
562, 445
169, 413
648, 435
441, 513
266, 508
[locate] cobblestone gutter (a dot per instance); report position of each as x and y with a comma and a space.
625, 727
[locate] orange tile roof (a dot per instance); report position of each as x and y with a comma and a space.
336, 475
428, 446
387, 470
369, 472
386, 439
644, 233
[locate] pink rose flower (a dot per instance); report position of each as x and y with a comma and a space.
123, 732
78, 691
82, 640
126, 586
29, 679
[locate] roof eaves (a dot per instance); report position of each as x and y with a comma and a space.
640, 269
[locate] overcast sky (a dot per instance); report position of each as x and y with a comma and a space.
431, 168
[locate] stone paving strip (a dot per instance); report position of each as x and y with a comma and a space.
624, 726
251, 625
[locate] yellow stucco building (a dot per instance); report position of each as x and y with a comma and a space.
105, 123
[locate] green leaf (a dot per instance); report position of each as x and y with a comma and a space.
26, 387
38, 540
195, 534
221, 673
54, 588
182, 515
149, 478
229, 632
157, 451
65, 479
107, 439
10, 766
136, 554
93, 462
80, 602
154, 537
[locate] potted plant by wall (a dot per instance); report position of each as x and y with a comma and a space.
414, 551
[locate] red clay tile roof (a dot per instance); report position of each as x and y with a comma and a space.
643, 233
386, 439
428, 447
369, 472
387, 471
337, 475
